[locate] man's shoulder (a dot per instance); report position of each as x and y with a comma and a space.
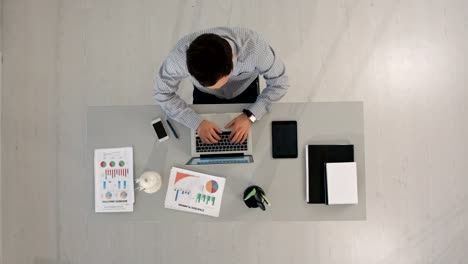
233, 32
241, 36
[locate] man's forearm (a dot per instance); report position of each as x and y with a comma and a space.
269, 95
177, 109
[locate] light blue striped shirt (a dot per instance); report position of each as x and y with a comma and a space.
252, 57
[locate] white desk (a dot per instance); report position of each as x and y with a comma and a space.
282, 179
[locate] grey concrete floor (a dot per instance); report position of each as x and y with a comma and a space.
407, 60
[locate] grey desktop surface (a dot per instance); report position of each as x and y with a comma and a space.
282, 179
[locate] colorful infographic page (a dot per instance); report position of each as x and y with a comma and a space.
194, 192
113, 173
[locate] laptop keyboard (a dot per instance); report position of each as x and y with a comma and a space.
224, 145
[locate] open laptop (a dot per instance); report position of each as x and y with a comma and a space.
223, 152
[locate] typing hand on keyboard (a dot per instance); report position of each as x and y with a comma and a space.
240, 127
223, 145
209, 132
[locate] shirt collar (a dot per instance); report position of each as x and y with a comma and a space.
234, 52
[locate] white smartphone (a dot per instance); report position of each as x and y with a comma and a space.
159, 129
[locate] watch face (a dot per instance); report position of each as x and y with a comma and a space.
252, 118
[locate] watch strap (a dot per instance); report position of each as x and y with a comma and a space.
247, 112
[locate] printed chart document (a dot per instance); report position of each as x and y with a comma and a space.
194, 192
113, 180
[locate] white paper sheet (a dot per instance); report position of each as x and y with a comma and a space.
113, 174
342, 183
194, 192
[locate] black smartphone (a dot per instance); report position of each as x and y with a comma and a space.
284, 139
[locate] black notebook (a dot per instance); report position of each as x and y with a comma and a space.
316, 157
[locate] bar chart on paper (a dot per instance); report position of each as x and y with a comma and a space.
117, 172
181, 194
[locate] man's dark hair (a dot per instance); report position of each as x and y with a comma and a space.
209, 58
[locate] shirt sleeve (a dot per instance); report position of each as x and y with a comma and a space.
167, 82
274, 72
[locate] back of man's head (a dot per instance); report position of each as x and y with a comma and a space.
209, 58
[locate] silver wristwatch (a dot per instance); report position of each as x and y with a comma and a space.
249, 115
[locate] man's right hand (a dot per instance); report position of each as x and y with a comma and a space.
209, 132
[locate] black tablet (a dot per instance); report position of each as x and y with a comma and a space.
284, 139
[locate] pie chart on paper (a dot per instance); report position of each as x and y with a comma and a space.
211, 186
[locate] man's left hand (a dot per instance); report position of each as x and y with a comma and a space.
240, 127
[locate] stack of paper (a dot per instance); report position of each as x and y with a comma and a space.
194, 192
113, 180
341, 183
